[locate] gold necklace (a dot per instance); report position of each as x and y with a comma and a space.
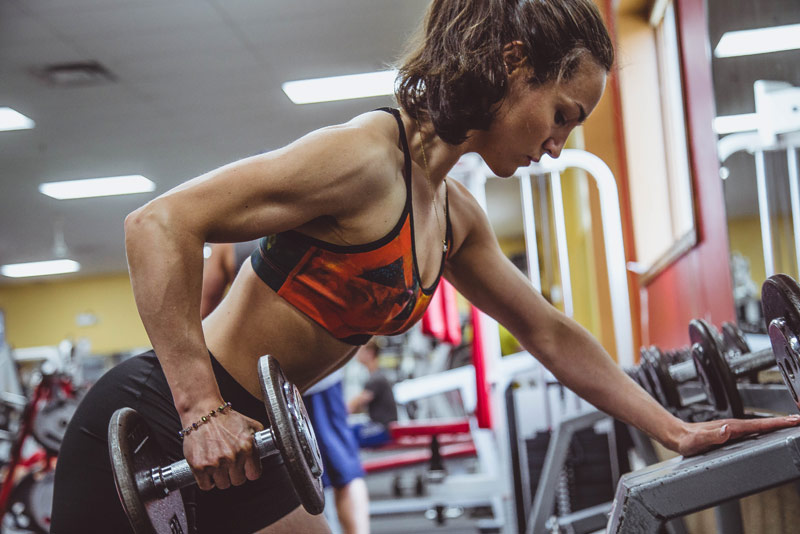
430, 187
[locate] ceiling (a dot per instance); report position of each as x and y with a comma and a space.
733, 90
197, 84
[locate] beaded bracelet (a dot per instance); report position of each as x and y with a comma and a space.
203, 420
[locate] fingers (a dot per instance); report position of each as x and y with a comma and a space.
223, 454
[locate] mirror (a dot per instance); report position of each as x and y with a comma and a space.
756, 69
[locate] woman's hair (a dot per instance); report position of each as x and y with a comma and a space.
454, 72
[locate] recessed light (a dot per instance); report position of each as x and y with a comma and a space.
11, 119
341, 87
97, 187
758, 41
39, 268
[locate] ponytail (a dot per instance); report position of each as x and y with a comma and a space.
453, 73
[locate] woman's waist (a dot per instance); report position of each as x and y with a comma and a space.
238, 335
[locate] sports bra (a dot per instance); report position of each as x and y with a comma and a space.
353, 291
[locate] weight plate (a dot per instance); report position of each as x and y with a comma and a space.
780, 299
51, 422
30, 504
669, 388
133, 450
716, 377
649, 365
733, 339
294, 436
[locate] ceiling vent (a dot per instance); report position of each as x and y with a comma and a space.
78, 74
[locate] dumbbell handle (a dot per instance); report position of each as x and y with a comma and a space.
159, 481
740, 364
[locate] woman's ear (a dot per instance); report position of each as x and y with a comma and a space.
514, 56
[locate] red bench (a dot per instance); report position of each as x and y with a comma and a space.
450, 438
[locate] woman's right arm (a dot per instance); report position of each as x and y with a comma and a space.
320, 174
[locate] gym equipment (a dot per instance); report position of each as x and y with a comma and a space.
718, 375
717, 369
31, 503
51, 422
147, 490
647, 498
780, 298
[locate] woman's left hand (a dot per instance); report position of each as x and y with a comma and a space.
700, 437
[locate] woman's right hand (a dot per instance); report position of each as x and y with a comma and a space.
221, 452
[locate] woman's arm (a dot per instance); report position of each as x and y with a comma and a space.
480, 271
319, 175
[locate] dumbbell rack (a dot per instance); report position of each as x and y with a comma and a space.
646, 498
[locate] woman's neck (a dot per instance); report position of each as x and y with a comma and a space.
430, 151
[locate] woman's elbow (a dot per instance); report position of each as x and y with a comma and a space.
142, 224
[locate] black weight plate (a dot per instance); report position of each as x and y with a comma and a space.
649, 365
780, 299
294, 436
718, 381
133, 449
669, 387
30, 504
733, 339
51, 422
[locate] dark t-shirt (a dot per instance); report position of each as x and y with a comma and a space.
382, 408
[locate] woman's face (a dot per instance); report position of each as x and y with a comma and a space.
535, 120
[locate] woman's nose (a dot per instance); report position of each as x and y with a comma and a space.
553, 147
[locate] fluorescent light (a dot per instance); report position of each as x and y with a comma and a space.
759, 41
726, 124
11, 119
341, 87
97, 187
39, 268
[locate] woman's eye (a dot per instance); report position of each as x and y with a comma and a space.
560, 119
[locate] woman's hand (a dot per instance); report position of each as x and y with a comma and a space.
700, 437
221, 452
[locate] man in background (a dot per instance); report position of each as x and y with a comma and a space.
376, 399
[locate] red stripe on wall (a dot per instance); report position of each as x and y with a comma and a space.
698, 285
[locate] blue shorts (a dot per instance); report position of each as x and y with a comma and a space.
337, 444
371, 435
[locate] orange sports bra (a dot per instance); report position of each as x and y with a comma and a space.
353, 291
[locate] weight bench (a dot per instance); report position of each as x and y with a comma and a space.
446, 439
646, 498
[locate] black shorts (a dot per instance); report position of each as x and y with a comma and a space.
85, 500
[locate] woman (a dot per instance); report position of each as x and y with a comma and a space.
362, 223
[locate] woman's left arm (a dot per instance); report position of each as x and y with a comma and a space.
480, 271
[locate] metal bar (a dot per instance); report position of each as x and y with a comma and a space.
794, 192
519, 463
561, 242
763, 212
554, 460
680, 486
529, 226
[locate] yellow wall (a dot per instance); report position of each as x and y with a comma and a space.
44, 313
744, 235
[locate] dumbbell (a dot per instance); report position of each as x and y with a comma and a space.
146, 488
716, 370
718, 374
780, 300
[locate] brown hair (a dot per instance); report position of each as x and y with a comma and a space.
454, 71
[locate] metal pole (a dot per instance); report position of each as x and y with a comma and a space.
561, 242
529, 225
763, 211
794, 192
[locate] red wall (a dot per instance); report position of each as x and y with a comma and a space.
697, 285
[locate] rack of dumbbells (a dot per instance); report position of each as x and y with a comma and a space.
717, 378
